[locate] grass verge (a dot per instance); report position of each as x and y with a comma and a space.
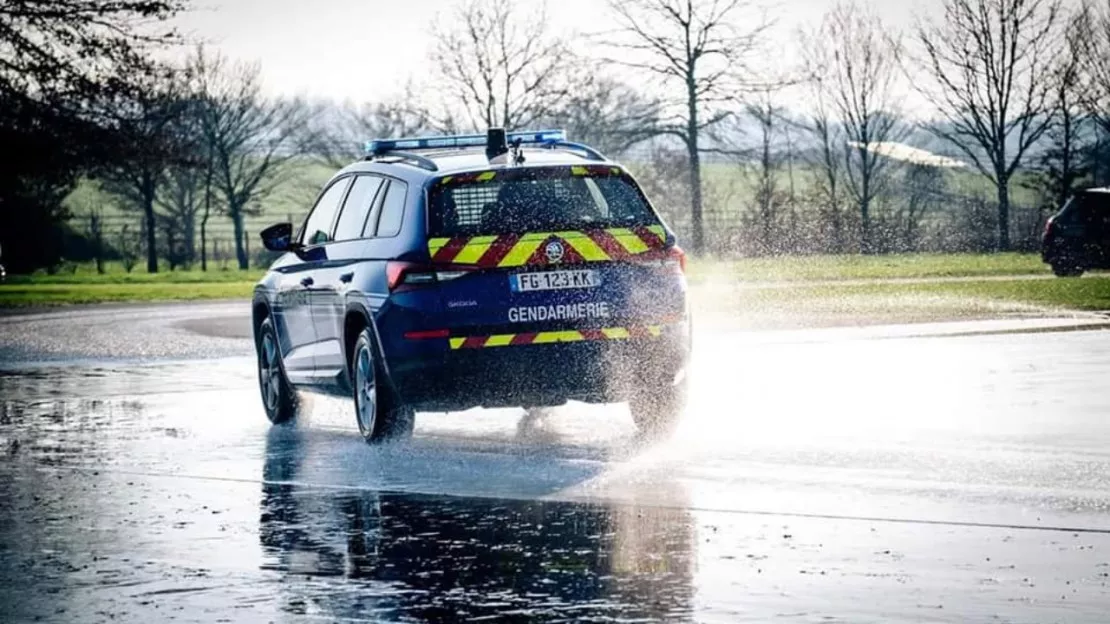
1091, 293
115, 275
890, 302
832, 268
38, 294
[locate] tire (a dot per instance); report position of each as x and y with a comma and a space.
279, 399
1066, 269
658, 410
378, 411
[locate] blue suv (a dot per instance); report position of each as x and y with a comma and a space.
444, 273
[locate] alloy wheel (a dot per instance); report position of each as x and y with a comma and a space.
269, 373
366, 389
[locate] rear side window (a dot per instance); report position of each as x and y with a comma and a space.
317, 229
536, 200
356, 209
393, 210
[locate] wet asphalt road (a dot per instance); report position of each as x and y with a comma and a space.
818, 476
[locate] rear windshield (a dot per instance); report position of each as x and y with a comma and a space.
1096, 201
1086, 205
536, 200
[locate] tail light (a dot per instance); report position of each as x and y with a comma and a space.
671, 260
677, 257
403, 276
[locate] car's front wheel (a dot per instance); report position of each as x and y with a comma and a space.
279, 398
379, 412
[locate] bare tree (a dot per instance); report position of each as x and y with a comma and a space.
607, 114
144, 126
853, 61
335, 134
95, 231
252, 138
1064, 163
63, 64
923, 191
764, 171
500, 64
827, 168
990, 61
699, 52
181, 202
1089, 32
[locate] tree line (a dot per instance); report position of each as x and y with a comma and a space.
743, 154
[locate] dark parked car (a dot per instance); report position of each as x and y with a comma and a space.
443, 273
1077, 238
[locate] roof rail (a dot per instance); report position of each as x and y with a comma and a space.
407, 157
588, 151
381, 147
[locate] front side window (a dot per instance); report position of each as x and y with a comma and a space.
317, 230
352, 219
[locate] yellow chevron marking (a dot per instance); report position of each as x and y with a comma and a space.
435, 244
658, 231
584, 245
553, 337
503, 340
522, 250
628, 239
474, 249
487, 176
546, 338
446, 180
579, 171
557, 336
538, 236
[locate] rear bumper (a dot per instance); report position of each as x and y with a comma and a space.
540, 374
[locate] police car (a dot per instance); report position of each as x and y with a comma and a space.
450, 272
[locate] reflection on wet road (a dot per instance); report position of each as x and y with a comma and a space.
946, 479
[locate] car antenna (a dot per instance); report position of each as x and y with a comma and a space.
518, 153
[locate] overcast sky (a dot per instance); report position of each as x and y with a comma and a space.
365, 49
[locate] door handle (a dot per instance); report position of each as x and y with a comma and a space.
347, 277
308, 281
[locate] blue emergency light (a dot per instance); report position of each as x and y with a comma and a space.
380, 147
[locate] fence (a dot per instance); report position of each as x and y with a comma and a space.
921, 209
122, 237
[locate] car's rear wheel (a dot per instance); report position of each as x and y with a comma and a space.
279, 399
658, 408
1066, 268
380, 414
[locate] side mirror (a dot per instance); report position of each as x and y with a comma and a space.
279, 237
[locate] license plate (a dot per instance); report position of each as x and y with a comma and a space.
554, 280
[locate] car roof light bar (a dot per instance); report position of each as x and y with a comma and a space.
381, 147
